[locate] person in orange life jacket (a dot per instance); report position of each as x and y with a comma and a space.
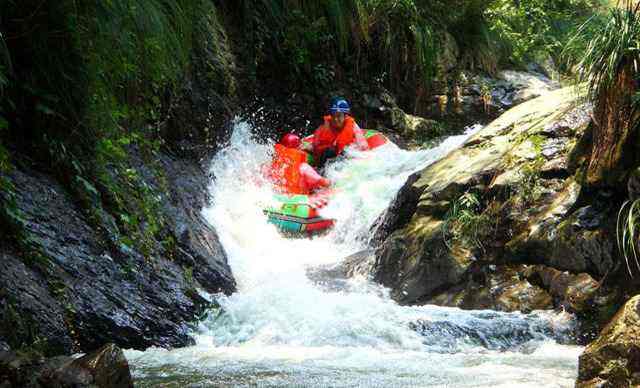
338, 131
290, 171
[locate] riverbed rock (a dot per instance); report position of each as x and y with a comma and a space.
104, 368
613, 359
76, 288
506, 89
505, 166
573, 292
501, 288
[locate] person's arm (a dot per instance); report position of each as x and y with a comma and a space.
311, 178
361, 141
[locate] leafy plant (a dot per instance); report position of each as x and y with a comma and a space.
528, 187
628, 232
466, 222
613, 44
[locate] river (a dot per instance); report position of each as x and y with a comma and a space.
281, 328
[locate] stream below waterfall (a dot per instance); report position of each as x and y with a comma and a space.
285, 328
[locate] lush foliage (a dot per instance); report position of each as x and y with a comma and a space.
83, 85
529, 30
612, 44
609, 62
466, 221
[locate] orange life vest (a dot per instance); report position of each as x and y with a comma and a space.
326, 138
285, 170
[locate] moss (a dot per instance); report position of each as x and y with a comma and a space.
538, 142
21, 331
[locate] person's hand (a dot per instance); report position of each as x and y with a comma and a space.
324, 182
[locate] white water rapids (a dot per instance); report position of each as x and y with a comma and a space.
282, 329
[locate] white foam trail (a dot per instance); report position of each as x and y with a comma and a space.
282, 329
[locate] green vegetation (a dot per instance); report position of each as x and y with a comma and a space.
537, 29
86, 88
613, 47
607, 54
466, 222
407, 45
628, 233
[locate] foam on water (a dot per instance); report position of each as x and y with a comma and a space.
282, 329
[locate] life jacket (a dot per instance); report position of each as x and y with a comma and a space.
285, 170
325, 138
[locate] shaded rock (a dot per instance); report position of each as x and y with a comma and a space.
399, 213
499, 288
419, 263
79, 290
200, 246
27, 308
613, 359
574, 293
573, 241
105, 368
448, 53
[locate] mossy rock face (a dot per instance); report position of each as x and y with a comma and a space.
418, 263
613, 359
83, 286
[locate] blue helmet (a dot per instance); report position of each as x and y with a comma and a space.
339, 104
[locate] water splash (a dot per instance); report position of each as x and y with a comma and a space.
281, 328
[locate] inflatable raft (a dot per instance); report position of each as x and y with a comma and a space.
298, 214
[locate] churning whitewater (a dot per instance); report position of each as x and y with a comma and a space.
281, 328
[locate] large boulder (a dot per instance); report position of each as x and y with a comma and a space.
613, 359
517, 166
104, 368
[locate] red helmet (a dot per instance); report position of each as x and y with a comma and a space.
290, 140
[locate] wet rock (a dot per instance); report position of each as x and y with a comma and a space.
574, 293
27, 308
105, 368
613, 359
413, 259
399, 213
500, 288
200, 248
335, 277
509, 89
527, 85
418, 263
77, 291
491, 330
576, 241
360, 263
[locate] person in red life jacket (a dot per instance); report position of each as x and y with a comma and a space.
338, 131
290, 172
